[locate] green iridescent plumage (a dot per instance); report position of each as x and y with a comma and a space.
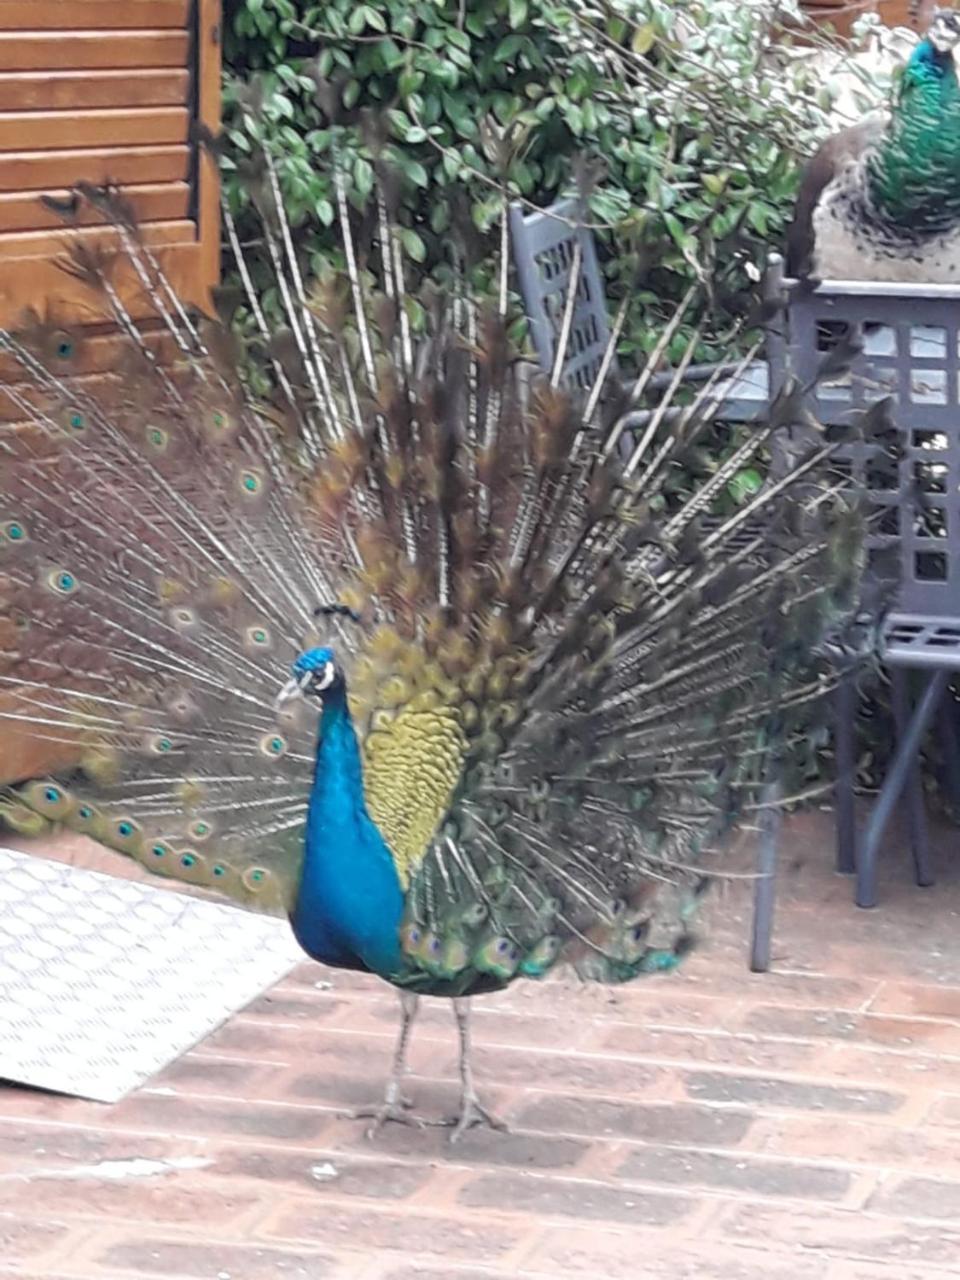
914, 174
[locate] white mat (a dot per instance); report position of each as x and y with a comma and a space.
104, 981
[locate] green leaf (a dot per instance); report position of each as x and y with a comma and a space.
409, 82
412, 244
507, 48
362, 176
517, 12
643, 39
351, 94
744, 485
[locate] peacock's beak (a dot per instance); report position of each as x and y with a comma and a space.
292, 689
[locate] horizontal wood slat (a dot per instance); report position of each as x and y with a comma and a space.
84, 50
63, 90
36, 244
141, 126
45, 170
73, 15
100, 381
36, 281
25, 756
25, 211
94, 351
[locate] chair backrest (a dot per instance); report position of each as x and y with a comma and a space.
543, 252
910, 336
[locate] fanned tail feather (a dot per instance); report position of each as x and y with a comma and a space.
568, 673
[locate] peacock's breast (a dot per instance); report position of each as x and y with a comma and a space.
852, 243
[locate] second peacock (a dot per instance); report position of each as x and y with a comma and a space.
415, 648
881, 200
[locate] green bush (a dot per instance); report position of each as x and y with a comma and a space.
696, 124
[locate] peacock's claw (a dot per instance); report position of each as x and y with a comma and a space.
472, 1114
384, 1112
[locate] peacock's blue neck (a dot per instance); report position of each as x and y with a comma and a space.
349, 902
914, 176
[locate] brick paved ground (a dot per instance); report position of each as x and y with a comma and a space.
803, 1125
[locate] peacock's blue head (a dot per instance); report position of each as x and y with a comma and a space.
314, 673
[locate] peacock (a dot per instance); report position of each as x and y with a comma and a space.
343, 612
881, 200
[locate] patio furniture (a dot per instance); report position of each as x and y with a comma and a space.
910, 354
544, 250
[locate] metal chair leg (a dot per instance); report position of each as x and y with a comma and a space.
764, 894
916, 807
947, 721
907, 748
844, 737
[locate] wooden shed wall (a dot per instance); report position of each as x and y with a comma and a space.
101, 90
106, 90
841, 14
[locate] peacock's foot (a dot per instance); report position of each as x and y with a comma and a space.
394, 1107
395, 1110
472, 1115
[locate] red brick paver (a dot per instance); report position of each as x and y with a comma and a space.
718, 1125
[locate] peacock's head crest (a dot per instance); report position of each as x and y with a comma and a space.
314, 673
944, 31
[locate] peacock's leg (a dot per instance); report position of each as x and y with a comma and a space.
394, 1103
472, 1111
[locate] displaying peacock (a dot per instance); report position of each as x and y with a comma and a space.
881, 200
413, 647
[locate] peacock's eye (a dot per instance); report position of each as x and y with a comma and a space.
77, 420
85, 811
157, 437
51, 795
15, 531
250, 482
188, 860
184, 619
63, 582
159, 851
125, 829
259, 637
273, 745
219, 871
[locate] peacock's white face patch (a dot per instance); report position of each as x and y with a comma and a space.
944, 33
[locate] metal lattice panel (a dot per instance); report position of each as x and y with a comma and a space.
911, 355
104, 981
543, 251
